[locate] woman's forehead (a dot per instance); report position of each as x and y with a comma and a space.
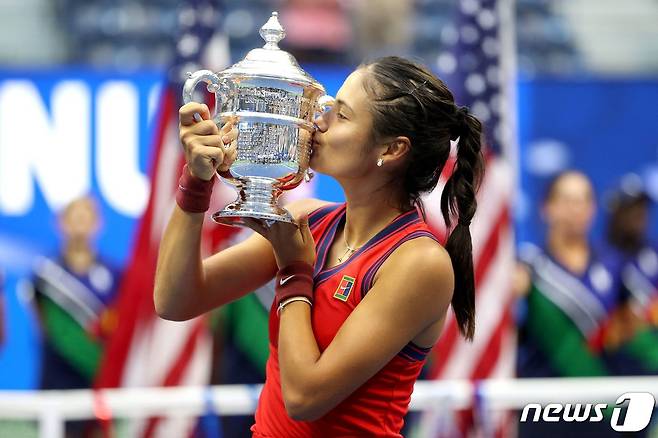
352, 91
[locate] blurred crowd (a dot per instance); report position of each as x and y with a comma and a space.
141, 33
588, 305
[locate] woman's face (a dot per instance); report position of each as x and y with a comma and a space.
342, 145
570, 208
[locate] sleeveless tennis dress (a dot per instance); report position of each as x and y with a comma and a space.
376, 408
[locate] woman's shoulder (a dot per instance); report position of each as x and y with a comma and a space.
422, 257
424, 252
421, 270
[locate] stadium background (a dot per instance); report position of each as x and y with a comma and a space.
586, 91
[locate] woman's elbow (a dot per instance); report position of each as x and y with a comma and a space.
165, 309
301, 407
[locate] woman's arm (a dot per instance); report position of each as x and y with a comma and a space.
187, 286
412, 290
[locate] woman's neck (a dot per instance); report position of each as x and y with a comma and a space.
78, 256
571, 251
369, 212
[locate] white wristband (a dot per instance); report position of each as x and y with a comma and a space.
290, 300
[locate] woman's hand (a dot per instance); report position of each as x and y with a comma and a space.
207, 148
291, 243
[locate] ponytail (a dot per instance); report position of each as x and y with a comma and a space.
458, 200
407, 99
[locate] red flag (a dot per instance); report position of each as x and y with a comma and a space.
145, 349
482, 78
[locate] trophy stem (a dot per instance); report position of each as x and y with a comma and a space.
257, 199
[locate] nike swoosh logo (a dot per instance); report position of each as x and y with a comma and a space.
284, 280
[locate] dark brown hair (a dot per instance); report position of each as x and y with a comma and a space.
408, 100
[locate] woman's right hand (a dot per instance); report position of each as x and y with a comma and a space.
207, 148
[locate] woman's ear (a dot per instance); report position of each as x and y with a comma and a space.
397, 149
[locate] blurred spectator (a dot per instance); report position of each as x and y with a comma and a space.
573, 292
381, 30
316, 31
627, 226
74, 293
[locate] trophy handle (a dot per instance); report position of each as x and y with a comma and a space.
324, 102
212, 81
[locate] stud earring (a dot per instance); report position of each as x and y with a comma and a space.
380, 162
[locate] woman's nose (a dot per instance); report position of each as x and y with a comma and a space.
321, 123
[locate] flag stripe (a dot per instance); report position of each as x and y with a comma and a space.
490, 300
451, 335
489, 358
130, 295
178, 367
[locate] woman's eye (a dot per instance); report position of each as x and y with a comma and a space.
341, 116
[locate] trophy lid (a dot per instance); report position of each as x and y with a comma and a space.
270, 61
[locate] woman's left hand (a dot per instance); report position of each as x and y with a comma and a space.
291, 243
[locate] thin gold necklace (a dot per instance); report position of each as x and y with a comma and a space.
349, 251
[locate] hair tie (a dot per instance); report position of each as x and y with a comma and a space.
464, 222
461, 122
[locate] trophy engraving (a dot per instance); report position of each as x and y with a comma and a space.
274, 101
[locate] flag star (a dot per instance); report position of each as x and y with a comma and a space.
469, 7
493, 75
481, 110
188, 45
495, 103
486, 19
446, 62
187, 17
475, 84
499, 133
490, 47
469, 34
449, 35
208, 16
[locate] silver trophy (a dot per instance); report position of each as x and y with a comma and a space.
275, 102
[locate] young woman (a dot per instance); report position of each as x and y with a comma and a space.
362, 287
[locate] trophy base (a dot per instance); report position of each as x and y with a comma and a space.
257, 200
236, 217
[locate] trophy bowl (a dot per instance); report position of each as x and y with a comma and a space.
274, 102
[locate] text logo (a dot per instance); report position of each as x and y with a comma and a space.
632, 412
638, 412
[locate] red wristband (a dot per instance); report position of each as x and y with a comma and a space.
193, 195
295, 280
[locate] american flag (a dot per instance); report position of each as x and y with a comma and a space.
147, 350
478, 65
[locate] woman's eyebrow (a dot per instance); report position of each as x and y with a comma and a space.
344, 104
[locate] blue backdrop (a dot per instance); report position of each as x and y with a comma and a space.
606, 128
603, 127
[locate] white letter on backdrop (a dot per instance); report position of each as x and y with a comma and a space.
51, 148
120, 181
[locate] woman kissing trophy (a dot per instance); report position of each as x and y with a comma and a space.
275, 102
